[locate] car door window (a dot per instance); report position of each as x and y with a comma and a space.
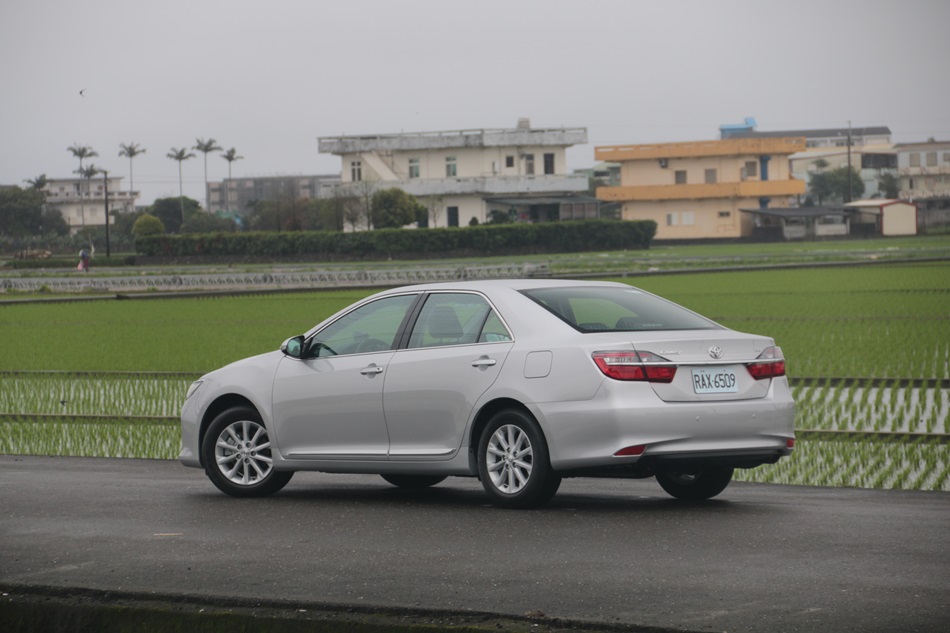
370, 328
494, 331
454, 319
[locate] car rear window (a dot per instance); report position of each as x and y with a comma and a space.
605, 309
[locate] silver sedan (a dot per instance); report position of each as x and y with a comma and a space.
517, 382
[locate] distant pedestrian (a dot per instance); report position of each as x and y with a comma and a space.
83, 261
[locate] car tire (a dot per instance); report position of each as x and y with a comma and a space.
695, 485
237, 456
513, 461
414, 481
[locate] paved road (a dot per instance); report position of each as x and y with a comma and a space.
760, 558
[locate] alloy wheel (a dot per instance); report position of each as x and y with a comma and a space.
242, 453
510, 459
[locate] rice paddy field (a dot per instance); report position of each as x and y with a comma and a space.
868, 350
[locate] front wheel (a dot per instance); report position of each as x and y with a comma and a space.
513, 462
695, 485
237, 457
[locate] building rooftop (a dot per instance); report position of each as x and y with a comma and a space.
879, 130
694, 149
523, 135
923, 145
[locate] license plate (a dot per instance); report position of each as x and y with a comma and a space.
718, 380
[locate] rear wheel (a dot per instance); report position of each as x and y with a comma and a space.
513, 462
414, 481
695, 485
236, 452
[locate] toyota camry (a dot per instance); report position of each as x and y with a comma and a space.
519, 383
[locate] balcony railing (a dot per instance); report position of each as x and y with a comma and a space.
746, 189
488, 185
695, 149
452, 139
70, 196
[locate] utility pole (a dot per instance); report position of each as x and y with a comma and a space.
105, 181
850, 190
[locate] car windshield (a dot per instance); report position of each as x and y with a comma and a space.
607, 309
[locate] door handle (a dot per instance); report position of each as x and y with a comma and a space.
483, 362
372, 370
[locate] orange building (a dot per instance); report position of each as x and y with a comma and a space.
695, 190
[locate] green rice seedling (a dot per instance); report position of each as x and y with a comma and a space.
90, 439
103, 395
860, 463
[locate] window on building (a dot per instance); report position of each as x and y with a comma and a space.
509, 161
687, 218
413, 167
931, 159
452, 214
751, 169
549, 163
915, 160
450, 168
711, 176
672, 219
680, 176
529, 164
910, 183
878, 161
946, 157
356, 171
725, 214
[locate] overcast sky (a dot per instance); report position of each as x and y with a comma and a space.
269, 77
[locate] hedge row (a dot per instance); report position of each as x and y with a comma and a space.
547, 237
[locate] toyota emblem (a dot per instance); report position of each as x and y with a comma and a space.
716, 352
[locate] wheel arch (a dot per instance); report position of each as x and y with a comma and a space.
216, 408
481, 421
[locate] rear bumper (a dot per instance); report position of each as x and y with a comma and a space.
585, 435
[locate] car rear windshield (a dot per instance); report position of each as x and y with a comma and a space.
605, 309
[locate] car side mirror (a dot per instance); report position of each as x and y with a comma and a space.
293, 347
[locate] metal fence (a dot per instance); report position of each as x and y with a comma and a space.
293, 279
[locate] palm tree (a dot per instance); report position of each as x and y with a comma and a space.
206, 147
180, 155
88, 173
230, 156
131, 150
81, 152
39, 183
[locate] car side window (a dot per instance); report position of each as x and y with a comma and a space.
453, 319
494, 331
370, 328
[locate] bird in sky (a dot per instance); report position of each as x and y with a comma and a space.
81, 92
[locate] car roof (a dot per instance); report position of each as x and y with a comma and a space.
497, 284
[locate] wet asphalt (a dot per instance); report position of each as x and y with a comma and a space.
609, 552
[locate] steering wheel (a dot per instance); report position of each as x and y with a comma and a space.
372, 345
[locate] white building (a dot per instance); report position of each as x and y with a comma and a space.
871, 151
924, 170
870, 161
461, 175
82, 202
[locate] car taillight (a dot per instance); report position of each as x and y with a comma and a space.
642, 366
769, 364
